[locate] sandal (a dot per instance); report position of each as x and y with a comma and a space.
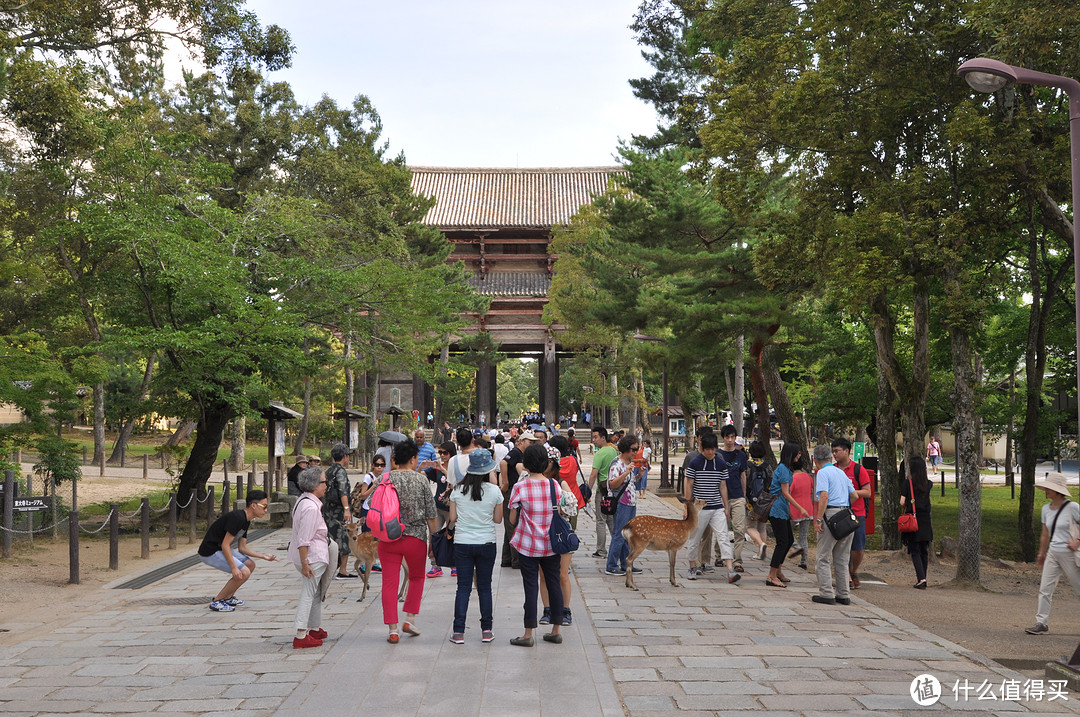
783, 579
771, 584
738, 568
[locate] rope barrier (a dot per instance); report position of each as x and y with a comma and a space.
189, 498
101, 528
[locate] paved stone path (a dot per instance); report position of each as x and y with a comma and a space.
706, 648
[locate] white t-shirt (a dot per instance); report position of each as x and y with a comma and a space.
475, 525
456, 468
500, 451
1070, 513
368, 480
646, 454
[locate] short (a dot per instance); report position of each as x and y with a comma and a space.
859, 541
934, 460
336, 530
218, 560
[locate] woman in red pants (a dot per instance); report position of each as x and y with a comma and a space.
417, 515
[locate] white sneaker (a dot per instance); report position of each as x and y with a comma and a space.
692, 574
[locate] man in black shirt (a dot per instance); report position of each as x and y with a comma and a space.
508, 476
216, 549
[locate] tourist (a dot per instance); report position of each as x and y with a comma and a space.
781, 511
1056, 546
216, 549
642, 461
475, 508
833, 489
933, 453
734, 491
417, 517
598, 478
336, 508
918, 543
309, 552
621, 482
531, 512
802, 492
509, 470
564, 471
302, 462
862, 485
757, 470
705, 477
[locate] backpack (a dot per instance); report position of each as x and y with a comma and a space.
384, 516
757, 482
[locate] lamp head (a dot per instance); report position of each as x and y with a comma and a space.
986, 75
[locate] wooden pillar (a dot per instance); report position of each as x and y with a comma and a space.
485, 390
549, 381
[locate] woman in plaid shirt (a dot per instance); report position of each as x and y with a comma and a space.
530, 509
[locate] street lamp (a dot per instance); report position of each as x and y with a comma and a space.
986, 75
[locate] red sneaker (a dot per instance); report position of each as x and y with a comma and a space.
319, 634
299, 643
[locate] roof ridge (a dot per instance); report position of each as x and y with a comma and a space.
518, 170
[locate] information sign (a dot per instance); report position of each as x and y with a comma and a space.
27, 505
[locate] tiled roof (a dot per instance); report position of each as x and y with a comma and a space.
511, 283
508, 198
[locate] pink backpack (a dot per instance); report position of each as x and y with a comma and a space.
384, 514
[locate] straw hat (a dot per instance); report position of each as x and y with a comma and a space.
1055, 482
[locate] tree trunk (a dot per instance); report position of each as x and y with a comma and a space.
129, 425
761, 397
203, 458
966, 426
99, 424
350, 381
740, 384
910, 392
301, 432
181, 434
616, 419
1010, 441
730, 398
885, 440
239, 443
371, 433
440, 384
789, 423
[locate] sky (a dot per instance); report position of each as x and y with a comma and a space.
475, 83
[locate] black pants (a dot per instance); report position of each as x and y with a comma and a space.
920, 551
530, 580
781, 528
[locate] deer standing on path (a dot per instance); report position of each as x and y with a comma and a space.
364, 549
648, 532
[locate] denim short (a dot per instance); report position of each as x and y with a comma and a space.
217, 560
859, 541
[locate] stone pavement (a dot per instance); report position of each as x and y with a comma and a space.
703, 649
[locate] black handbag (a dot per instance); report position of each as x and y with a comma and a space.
563, 538
842, 523
763, 505
610, 502
442, 547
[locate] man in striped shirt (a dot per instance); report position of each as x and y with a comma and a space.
704, 476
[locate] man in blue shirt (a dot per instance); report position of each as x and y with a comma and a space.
833, 489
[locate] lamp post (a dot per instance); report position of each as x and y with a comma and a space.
986, 75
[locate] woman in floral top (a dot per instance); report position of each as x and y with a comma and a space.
619, 473
531, 511
417, 512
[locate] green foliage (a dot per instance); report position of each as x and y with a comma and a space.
58, 461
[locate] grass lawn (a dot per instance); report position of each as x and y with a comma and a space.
1000, 538
148, 445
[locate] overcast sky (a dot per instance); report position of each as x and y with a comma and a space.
475, 83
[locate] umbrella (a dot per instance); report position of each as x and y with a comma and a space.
393, 436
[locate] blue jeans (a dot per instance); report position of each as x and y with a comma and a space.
620, 549
481, 559
641, 476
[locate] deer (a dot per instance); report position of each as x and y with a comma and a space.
364, 546
648, 532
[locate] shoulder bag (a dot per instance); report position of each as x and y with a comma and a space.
442, 546
842, 523
563, 539
610, 502
907, 522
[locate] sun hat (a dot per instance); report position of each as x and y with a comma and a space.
481, 462
301, 459
1055, 482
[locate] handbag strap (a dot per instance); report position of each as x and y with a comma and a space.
1053, 526
911, 486
554, 501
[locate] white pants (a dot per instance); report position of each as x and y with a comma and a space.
309, 607
717, 520
1056, 564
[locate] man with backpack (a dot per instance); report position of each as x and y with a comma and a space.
735, 492
860, 482
336, 509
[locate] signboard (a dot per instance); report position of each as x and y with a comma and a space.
858, 450
28, 505
354, 435
279, 438
15, 491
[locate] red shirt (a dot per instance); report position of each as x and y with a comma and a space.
568, 470
639, 458
858, 506
802, 492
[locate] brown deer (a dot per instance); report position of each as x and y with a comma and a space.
364, 547
648, 532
